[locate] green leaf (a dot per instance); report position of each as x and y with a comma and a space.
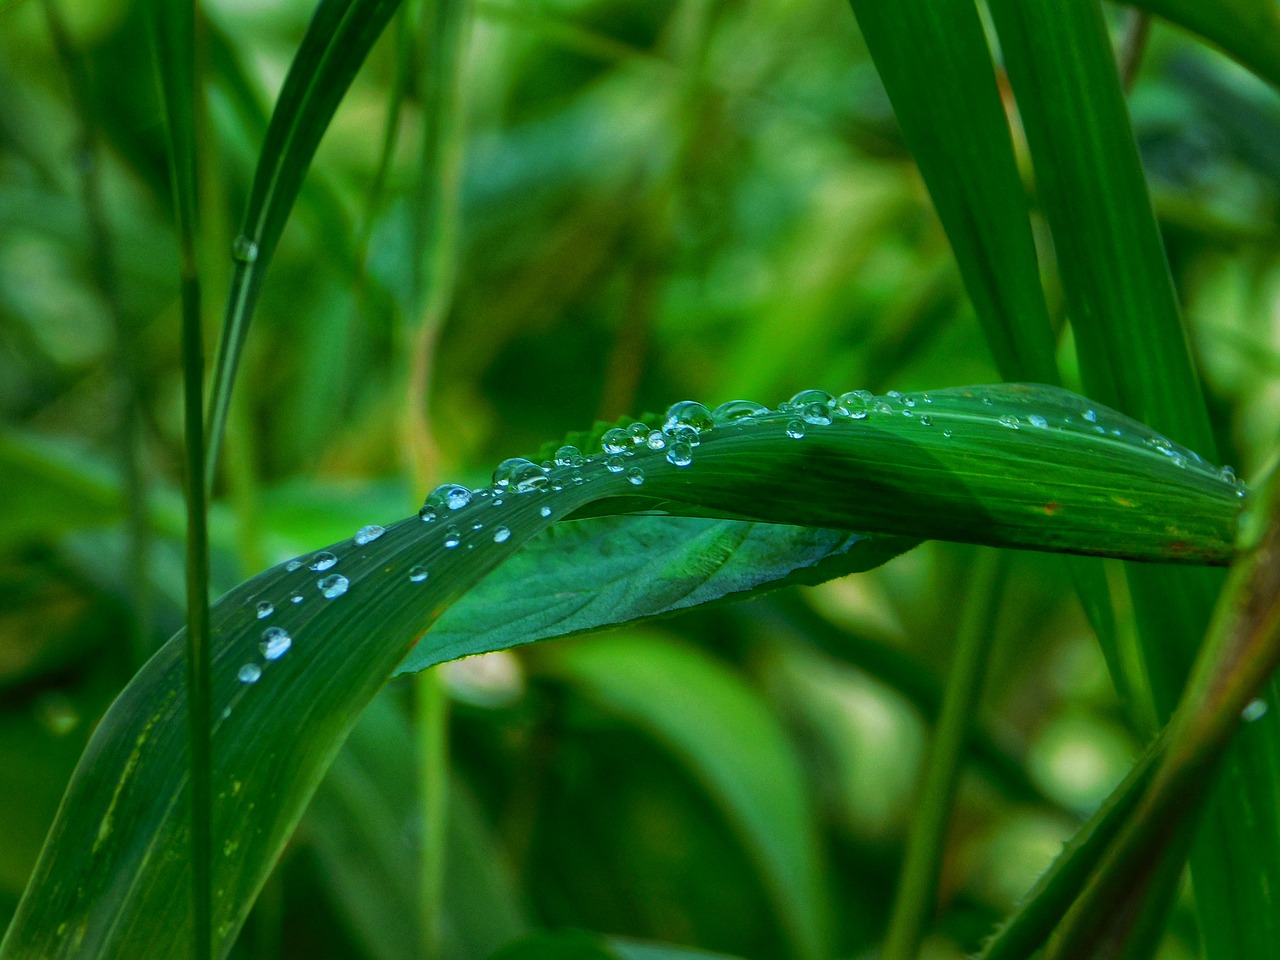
586, 946
958, 466
1248, 30
731, 742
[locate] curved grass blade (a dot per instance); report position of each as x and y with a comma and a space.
1248, 30
333, 49
730, 741
301, 649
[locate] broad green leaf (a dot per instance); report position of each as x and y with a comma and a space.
1016, 465
731, 742
1248, 30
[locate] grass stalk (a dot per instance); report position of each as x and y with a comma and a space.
431, 735
918, 885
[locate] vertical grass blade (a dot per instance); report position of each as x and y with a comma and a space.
932, 56
175, 50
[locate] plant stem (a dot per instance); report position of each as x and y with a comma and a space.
432, 742
917, 888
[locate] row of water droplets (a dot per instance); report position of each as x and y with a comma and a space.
458, 509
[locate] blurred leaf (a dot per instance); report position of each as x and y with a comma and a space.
1015, 465
1248, 30
585, 946
732, 743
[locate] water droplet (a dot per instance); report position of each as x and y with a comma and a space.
244, 250
814, 406
907, 413
293, 565
368, 534
613, 464
275, 643
1009, 421
477, 525
520, 474
249, 673
1228, 475
569, 456
1090, 415
576, 475
795, 429
1254, 710
635, 476
946, 433
687, 413
501, 535
1037, 421
322, 561
680, 453
883, 407
908, 400
855, 404
265, 609
737, 411
925, 421
295, 598
1179, 460
418, 573
452, 537
655, 440
545, 510
895, 394
427, 514
638, 431
616, 440
450, 496
334, 585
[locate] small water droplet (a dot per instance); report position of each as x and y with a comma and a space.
635, 476
946, 433
1090, 415
795, 429
501, 535
882, 407
638, 431
477, 525
275, 643
738, 411
334, 585
322, 561
295, 598
244, 250
855, 405
655, 440
249, 673
814, 406
895, 394
418, 573
1037, 421
613, 464
687, 413
368, 534
545, 510
1179, 460
452, 537
569, 456
680, 453
908, 400
616, 440
1228, 475
1009, 421
1254, 710
265, 609
520, 474
449, 496
925, 421
576, 475
427, 514
293, 565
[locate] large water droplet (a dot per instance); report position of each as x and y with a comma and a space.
616, 440
275, 643
614, 464
1037, 421
687, 413
501, 535
856, 404
265, 609
569, 456
524, 476
249, 673
322, 561
638, 431
738, 411
368, 534
1009, 421
655, 440
334, 585
448, 496
680, 453
418, 573
244, 250
452, 537
795, 429
813, 406
635, 476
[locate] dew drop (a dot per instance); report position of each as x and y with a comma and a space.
501, 535
244, 250
1009, 421
1254, 710
265, 609
368, 534
1037, 421
1179, 460
450, 496
296, 598
655, 440
616, 440
680, 453
882, 407
925, 421
946, 433
635, 476
322, 561
452, 537
293, 565
477, 525
613, 464
427, 514
638, 431
275, 643
519, 474
569, 456
687, 413
738, 411
249, 673
334, 585
545, 510
855, 405
1090, 415
814, 406
795, 429
418, 573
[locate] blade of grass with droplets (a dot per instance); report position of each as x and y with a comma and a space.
1248, 30
176, 60
301, 649
1133, 353
333, 49
933, 59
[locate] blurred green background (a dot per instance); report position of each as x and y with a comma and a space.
657, 200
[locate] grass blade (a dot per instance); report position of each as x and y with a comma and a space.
348, 615
1248, 30
335, 46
